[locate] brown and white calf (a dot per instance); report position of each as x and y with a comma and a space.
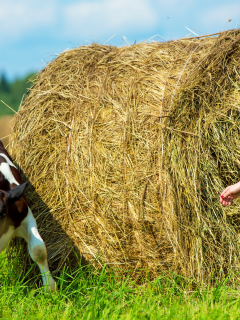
16, 218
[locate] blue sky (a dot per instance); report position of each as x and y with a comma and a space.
32, 32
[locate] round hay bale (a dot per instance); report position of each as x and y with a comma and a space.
127, 150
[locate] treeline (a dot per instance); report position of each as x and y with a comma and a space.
11, 93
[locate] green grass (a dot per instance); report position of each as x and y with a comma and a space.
83, 294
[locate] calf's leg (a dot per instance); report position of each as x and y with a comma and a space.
37, 249
6, 237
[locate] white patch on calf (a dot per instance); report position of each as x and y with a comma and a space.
8, 160
6, 171
34, 231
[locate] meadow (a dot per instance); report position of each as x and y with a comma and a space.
86, 294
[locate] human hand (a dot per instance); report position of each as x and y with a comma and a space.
230, 193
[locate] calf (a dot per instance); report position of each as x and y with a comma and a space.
16, 218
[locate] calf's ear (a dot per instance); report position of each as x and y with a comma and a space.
14, 194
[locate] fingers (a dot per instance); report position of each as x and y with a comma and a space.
226, 197
230, 193
226, 192
226, 201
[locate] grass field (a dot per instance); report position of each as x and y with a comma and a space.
83, 294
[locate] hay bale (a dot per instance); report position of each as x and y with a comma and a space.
128, 150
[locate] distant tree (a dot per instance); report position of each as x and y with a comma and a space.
11, 93
4, 84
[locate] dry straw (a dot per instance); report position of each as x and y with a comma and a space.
128, 150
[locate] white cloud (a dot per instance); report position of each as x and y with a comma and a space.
17, 18
106, 17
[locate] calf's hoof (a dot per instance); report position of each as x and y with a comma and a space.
51, 287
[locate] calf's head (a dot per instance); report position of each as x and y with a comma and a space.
9, 197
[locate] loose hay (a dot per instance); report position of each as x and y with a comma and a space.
128, 150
